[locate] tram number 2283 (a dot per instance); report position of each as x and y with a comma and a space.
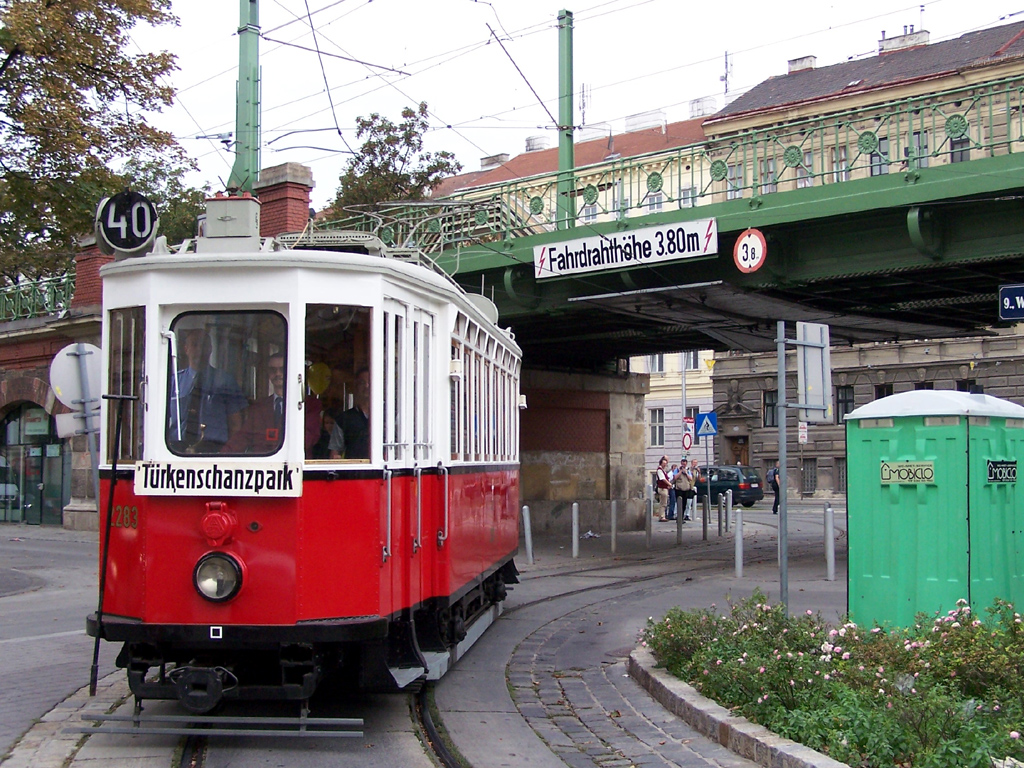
125, 517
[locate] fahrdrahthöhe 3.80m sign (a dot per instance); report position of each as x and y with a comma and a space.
668, 242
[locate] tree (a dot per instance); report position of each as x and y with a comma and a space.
391, 164
163, 183
68, 91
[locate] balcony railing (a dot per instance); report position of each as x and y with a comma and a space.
897, 136
36, 298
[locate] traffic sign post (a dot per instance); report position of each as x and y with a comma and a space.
1011, 302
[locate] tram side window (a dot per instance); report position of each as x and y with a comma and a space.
338, 382
226, 383
127, 369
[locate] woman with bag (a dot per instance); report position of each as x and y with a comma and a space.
662, 483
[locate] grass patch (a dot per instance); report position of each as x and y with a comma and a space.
948, 691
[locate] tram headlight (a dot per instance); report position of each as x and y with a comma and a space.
217, 577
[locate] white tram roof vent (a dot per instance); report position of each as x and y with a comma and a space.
232, 223
333, 240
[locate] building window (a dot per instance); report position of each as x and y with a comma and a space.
844, 402
655, 363
688, 197
655, 202
691, 360
809, 476
840, 165
733, 182
769, 181
969, 385
590, 213
805, 172
840, 475
924, 385
880, 158
657, 427
917, 152
769, 414
960, 150
882, 390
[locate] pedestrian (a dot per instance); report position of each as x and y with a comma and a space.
662, 483
670, 513
773, 481
695, 478
682, 484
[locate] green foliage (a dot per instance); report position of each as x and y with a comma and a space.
947, 692
391, 164
67, 87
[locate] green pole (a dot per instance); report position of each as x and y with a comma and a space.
566, 205
247, 99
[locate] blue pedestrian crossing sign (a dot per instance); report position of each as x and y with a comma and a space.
706, 424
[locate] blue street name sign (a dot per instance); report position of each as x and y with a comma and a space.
1011, 302
706, 424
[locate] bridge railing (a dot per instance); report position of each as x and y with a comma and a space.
36, 298
896, 136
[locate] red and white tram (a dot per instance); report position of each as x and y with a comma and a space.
320, 472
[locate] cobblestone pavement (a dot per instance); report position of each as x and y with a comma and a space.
598, 715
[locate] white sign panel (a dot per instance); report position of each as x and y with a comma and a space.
169, 478
649, 245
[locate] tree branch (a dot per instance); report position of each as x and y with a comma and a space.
15, 53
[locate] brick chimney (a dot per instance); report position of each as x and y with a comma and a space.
88, 286
283, 192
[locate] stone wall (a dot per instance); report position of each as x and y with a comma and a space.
583, 440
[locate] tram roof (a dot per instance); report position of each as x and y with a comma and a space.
271, 257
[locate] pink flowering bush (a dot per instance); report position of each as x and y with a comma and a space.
948, 691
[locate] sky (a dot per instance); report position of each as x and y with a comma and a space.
489, 70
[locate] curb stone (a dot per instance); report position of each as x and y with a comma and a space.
739, 735
50, 743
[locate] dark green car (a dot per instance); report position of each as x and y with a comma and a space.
745, 482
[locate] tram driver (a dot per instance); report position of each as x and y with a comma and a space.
262, 430
205, 403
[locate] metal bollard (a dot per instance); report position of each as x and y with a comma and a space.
721, 501
830, 542
615, 523
575, 530
728, 508
738, 536
528, 533
705, 514
680, 514
649, 521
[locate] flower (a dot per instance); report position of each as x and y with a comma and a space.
1014, 734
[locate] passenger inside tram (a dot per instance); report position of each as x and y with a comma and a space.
338, 338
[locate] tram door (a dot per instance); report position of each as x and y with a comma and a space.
407, 446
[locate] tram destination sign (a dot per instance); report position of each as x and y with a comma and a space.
638, 247
193, 478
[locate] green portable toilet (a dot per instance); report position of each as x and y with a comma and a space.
932, 509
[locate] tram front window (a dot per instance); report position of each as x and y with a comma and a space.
226, 383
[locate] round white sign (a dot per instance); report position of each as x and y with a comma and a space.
66, 375
687, 441
750, 251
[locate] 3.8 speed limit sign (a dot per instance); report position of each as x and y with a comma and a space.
126, 223
749, 251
